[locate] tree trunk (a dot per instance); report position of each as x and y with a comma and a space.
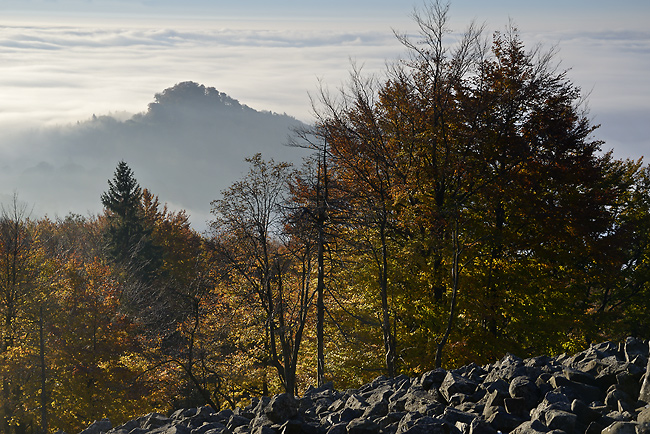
389, 341
454, 297
43, 378
320, 308
322, 197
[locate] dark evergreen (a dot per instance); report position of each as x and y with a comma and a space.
128, 235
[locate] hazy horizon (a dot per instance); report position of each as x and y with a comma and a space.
67, 60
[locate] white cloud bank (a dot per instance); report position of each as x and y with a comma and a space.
59, 74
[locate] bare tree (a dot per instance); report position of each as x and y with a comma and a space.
249, 237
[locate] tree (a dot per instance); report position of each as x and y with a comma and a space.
365, 168
248, 238
17, 269
476, 169
616, 294
316, 211
129, 238
21, 295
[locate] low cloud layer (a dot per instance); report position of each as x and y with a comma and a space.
66, 73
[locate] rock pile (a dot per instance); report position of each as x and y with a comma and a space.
604, 389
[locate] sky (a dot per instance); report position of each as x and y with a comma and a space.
63, 61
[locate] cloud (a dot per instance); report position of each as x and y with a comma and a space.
67, 73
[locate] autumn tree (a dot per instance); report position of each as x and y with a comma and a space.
616, 291
477, 169
317, 211
364, 166
21, 295
16, 267
248, 237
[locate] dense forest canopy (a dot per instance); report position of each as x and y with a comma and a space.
455, 208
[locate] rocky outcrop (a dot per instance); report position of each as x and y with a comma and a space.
604, 389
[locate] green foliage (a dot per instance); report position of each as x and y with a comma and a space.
128, 235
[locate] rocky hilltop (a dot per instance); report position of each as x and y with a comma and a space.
604, 389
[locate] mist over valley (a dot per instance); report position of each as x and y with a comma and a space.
186, 147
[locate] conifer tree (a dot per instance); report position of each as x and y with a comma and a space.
128, 235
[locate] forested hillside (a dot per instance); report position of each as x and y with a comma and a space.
455, 209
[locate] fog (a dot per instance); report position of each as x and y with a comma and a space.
187, 147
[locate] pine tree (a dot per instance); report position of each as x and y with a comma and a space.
128, 235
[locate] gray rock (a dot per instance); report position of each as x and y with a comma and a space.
128, 426
592, 392
362, 426
616, 397
531, 427
177, 429
644, 395
621, 428
422, 401
340, 428
516, 406
292, 426
495, 398
154, 420
453, 415
595, 427
575, 375
585, 414
635, 347
377, 409
644, 416
389, 419
560, 419
424, 425
207, 427
380, 394
629, 383
506, 369
261, 419
225, 414
454, 383
552, 401
643, 429
503, 421
356, 402
480, 427
282, 407
98, 427
325, 388
348, 414
433, 378
236, 421
524, 388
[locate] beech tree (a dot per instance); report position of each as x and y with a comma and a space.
248, 237
479, 168
21, 296
315, 215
